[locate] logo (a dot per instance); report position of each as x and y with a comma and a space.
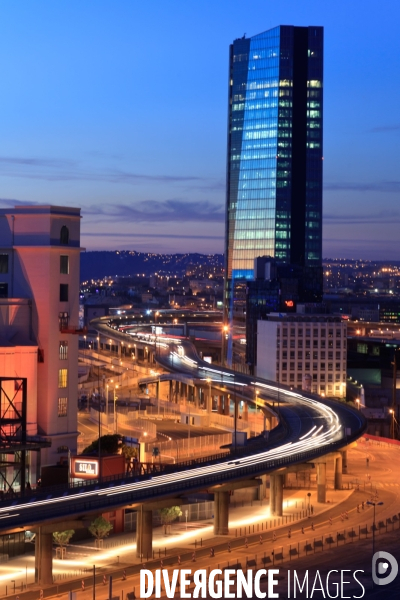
384, 563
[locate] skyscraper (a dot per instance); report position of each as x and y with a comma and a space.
274, 158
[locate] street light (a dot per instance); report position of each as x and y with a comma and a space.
374, 504
391, 412
225, 330
115, 412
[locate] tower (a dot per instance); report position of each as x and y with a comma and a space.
274, 158
39, 287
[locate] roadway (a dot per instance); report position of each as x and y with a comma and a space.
380, 475
312, 428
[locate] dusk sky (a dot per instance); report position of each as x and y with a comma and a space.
120, 107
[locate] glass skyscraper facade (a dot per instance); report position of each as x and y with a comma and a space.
274, 159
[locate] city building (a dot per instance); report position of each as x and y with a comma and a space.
305, 351
39, 311
274, 157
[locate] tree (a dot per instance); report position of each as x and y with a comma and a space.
100, 528
168, 515
62, 538
109, 444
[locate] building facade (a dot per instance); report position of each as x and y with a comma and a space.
306, 352
39, 308
274, 156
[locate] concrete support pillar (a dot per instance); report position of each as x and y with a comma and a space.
262, 489
144, 533
221, 513
344, 461
245, 411
220, 405
44, 558
276, 495
171, 391
209, 400
321, 482
338, 472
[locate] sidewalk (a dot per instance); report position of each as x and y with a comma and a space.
121, 549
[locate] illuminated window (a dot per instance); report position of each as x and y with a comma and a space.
62, 407
62, 378
63, 351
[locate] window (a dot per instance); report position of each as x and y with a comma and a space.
300, 343
3, 263
292, 332
291, 377
62, 407
292, 366
64, 236
63, 292
284, 366
64, 264
62, 378
63, 351
284, 332
315, 332
3, 290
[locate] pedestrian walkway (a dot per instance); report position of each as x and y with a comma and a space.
122, 548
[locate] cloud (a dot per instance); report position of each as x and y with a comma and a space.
10, 203
175, 210
151, 235
68, 170
384, 128
379, 186
383, 217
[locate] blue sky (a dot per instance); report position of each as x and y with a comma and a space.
120, 107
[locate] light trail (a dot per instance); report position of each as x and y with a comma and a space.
316, 438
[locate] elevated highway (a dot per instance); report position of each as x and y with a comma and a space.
312, 428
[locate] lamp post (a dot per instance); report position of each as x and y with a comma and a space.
107, 386
115, 412
374, 504
225, 330
391, 412
358, 403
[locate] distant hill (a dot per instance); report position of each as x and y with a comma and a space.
96, 265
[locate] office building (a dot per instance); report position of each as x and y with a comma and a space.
306, 352
274, 158
39, 308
